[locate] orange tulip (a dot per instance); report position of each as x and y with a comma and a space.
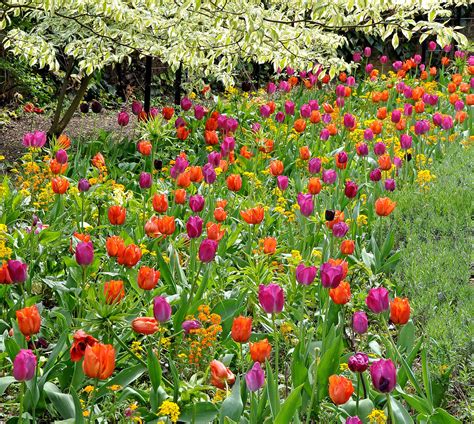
144, 147
114, 245
98, 161
29, 320
148, 278
117, 215
221, 203
384, 95
341, 294
166, 225
260, 351
5, 275
340, 389
182, 133
399, 311
167, 113
211, 124
253, 216
145, 325
220, 214
376, 127
113, 291
384, 206
180, 196
130, 256
160, 203
234, 182
99, 361
385, 163
315, 117
299, 125
382, 113
314, 185
420, 106
195, 173
347, 247
221, 375
214, 231
59, 185
444, 61
269, 245
79, 345
184, 180
332, 129
424, 75
56, 167
276, 168
267, 146
304, 153
241, 329
211, 138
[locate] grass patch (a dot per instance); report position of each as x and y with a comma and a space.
434, 232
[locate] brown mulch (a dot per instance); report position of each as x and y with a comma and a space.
11, 135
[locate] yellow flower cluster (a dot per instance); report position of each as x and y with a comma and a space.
424, 177
170, 409
377, 416
362, 220
5, 251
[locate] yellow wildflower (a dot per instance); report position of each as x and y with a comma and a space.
170, 409
361, 220
344, 367
377, 416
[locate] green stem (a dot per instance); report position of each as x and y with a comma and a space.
277, 352
390, 410
22, 393
358, 394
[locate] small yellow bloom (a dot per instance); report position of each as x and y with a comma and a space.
170, 409
88, 389
377, 416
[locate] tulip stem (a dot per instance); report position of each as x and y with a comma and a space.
22, 392
390, 409
277, 350
358, 394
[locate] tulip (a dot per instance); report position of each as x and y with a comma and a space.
17, 271
241, 329
194, 226
431, 46
96, 107
29, 320
280, 117
341, 294
113, 291
5, 275
190, 324
207, 250
358, 362
282, 182
271, 298
260, 351
84, 107
289, 108
347, 247
99, 361
329, 176
353, 420
390, 184
199, 112
116, 215
255, 378
146, 180
331, 276
24, 365
384, 206
375, 175
253, 216
114, 246
129, 256
340, 389
221, 376
196, 203
84, 253
314, 165
161, 309
61, 156
265, 111
377, 300
367, 52
349, 120
209, 173
305, 275
384, 375
269, 245
186, 104
137, 107
305, 202
123, 118
350, 189
79, 345
145, 325
147, 278
399, 311
362, 149
36, 139
356, 57
360, 322
83, 185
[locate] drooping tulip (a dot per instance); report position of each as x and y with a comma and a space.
221, 375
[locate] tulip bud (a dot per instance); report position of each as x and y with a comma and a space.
84, 253
255, 378
83, 185
24, 365
271, 298
161, 309
377, 300
384, 375
282, 182
360, 322
84, 107
123, 119
17, 271
194, 226
207, 250
96, 106
358, 362
145, 180
61, 156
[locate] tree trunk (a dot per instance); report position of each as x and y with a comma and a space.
62, 95
177, 84
148, 71
57, 129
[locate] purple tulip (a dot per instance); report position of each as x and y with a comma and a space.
154, 112
340, 102
137, 107
209, 173
396, 116
390, 184
255, 127
408, 92
384, 375
123, 119
36, 139
379, 148
255, 378
186, 104
314, 165
437, 119
84, 253
305, 111
353, 420
194, 226
265, 111
340, 229
180, 122
351, 189
397, 65
358, 362
422, 127
447, 48
305, 202
431, 46
375, 175
329, 176
190, 324
408, 109
377, 300
284, 86
369, 68
331, 276
214, 158
367, 52
231, 124
405, 141
280, 117
362, 149
161, 309
271, 88
360, 323
342, 157
61, 156
314, 105
289, 108
83, 185
305, 275
271, 298
356, 57
196, 203
282, 182
327, 118
447, 123
351, 81
383, 59
340, 90
24, 365
207, 250
324, 134
227, 146
199, 112
349, 120
18, 271
368, 134
397, 162
145, 180
289, 71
